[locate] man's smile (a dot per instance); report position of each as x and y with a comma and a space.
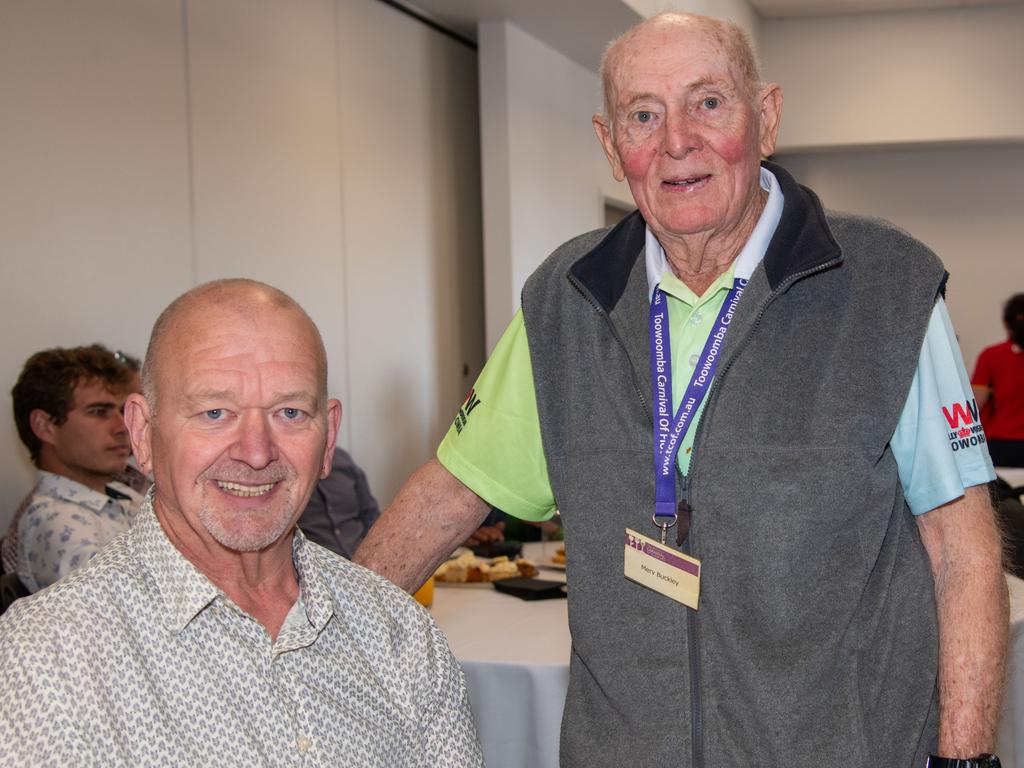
238, 489
688, 182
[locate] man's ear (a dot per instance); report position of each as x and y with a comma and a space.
42, 426
138, 419
333, 422
770, 106
604, 135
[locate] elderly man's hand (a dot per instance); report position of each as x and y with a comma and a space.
486, 534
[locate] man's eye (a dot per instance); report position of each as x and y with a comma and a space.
292, 414
711, 102
214, 414
644, 116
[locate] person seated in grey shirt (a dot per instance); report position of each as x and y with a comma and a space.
341, 509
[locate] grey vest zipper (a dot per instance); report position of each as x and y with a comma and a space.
693, 621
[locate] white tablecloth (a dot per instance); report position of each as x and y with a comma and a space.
515, 654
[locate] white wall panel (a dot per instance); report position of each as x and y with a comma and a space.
889, 78
964, 203
545, 176
411, 201
93, 184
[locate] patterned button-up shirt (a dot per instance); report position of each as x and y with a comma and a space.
138, 659
64, 524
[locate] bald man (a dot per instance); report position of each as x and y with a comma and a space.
213, 633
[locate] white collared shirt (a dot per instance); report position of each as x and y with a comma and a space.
65, 524
138, 659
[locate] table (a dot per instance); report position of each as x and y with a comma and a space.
516, 658
515, 655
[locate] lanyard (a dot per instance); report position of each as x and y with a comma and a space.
669, 431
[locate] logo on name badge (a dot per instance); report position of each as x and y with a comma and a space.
462, 417
965, 430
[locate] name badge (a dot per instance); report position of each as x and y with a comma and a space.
663, 569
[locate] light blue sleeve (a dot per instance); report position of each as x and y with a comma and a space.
939, 444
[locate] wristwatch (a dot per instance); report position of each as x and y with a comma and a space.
981, 761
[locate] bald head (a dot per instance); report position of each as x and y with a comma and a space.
725, 34
202, 306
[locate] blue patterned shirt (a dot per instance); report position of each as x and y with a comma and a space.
64, 524
138, 659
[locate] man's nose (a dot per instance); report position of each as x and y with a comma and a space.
117, 425
682, 134
255, 441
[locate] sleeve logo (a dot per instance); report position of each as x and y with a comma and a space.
965, 430
472, 401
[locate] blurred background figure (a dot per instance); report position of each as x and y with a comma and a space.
998, 384
341, 509
498, 528
68, 407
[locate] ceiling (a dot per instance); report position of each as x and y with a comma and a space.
580, 29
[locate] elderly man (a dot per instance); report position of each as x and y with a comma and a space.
774, 555
67, 407
213, 633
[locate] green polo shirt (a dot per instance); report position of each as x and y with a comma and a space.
494, 445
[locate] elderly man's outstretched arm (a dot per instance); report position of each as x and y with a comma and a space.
431, 516
965, 549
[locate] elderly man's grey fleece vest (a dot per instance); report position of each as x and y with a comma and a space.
816, 640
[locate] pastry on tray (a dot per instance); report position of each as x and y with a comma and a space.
467, 568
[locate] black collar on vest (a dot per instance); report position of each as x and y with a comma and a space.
802, 241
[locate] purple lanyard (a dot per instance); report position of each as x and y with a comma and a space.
668, 433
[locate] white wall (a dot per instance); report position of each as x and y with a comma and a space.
889, 78
545, 177
147, 145
916, 117
94, 179
965, 203
411, 187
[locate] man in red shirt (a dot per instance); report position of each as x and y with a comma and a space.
998, 384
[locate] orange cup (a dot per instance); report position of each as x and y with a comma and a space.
425, 594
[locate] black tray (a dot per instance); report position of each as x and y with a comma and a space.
531, 589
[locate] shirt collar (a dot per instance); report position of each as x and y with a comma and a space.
751, 254
64, 488
317, 598
185, 591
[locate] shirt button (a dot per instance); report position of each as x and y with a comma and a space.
695, 318
694, 359
303, 744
